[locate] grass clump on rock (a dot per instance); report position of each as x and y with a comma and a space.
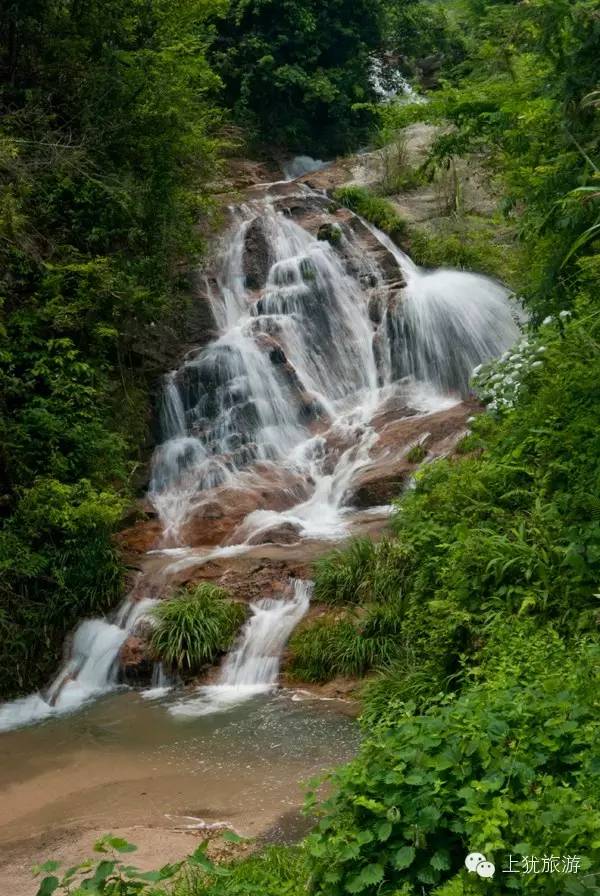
376, 209
195, 626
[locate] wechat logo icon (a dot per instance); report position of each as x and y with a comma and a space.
477, 862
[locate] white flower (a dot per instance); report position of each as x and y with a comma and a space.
536, 365
470, 420
505, 356
517, 366
477, 369
541, 349
564, 315
515, 357
547, 320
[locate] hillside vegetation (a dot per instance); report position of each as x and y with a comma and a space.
477, 618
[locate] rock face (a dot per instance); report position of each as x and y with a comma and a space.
257, 255
134, 658
285, 533
391, 466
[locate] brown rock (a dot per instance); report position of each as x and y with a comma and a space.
286, 533
134, 651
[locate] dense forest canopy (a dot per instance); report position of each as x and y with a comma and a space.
297, 72
480, 611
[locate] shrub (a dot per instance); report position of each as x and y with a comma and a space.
195, 626
362, 572
57, 563
506, 768
275, 871
416, 454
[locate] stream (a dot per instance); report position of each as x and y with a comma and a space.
333, 355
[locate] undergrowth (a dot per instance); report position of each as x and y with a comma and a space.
376, 209
195, 626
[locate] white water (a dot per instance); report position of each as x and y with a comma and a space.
162, 682
300, 165
252, 666
91, 668
303, 348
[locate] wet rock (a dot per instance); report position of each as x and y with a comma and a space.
392, 464
382, 490
375, 309
285, 533
135, 660
311, 408
257, 255
140, 538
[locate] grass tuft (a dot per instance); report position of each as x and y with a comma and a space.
195, 626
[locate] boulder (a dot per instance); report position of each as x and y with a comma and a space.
135, 661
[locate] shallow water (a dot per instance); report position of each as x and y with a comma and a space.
123, 759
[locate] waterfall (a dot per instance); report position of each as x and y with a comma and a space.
301, 165
448, 322
91, 668
272, 421
312, 334
161, 683
252, 666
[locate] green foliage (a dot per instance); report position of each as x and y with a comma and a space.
425, 37
275, 871
112, 876
469, 243
195, 626
297, 73
340, 574
364, 571
507, 767
375, 209
106, 145
328, 648
416, 454
347, 645
57, 563
525, 95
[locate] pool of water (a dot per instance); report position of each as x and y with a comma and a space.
125, 761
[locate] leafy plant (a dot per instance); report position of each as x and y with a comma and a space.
195, 626
112, 876
416, 454
502, 768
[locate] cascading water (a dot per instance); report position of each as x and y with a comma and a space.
90, 670
312, 336
316, 338
252, 666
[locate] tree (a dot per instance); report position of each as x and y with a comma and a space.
297, 71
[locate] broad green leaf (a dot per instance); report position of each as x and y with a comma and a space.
48, 886
404, 857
